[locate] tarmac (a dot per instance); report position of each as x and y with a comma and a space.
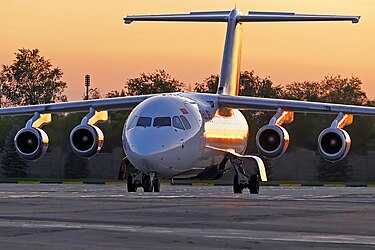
63, 216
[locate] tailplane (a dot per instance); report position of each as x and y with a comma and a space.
230, 67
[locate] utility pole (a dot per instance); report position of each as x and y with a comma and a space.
87, 84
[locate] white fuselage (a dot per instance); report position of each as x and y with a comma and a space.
171, 134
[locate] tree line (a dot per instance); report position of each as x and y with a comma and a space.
32, 79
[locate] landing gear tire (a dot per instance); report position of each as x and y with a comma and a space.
131, 186
147, 184
254, 184
156, 184
237, 188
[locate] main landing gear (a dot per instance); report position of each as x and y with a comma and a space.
241, 179
149, 182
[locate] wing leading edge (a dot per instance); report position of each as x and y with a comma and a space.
119, 103
268, 104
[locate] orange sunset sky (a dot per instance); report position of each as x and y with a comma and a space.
89, 37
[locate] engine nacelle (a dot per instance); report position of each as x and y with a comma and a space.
86, 140
31, 143
334, 144
272, 141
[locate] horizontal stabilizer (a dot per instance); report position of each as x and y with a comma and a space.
253, 16
192, 17
270, 13
224, 12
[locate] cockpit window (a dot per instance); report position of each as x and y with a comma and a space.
162, 121
177, 123
144, 122
185, 122
132, 123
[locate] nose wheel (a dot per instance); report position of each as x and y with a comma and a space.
151, 182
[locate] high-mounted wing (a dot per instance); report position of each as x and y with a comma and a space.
268, 104
86, 139
118, 103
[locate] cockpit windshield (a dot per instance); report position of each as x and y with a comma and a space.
144, 122
177, 123
162, 122
185, 122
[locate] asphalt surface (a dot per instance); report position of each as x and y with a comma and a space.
184, 217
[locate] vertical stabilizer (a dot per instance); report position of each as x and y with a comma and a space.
231, 64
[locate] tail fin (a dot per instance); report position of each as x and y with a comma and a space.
230, 67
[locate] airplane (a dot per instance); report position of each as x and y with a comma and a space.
188, 134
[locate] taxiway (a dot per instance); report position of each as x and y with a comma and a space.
185, 217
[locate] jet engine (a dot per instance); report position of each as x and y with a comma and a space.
272, 141
31, 143
86, 140
334, 144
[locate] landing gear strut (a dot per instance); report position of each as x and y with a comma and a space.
241, 179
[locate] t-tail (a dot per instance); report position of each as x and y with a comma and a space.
230, 67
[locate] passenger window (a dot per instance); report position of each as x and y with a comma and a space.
144, 122
185, 122
162, 121
177, 123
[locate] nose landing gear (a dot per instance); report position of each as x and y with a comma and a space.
149, 182
136, 179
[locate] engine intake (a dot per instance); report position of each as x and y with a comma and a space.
272, 141
334, 144
86, 140
31, 143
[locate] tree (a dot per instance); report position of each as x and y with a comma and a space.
151, 83
209, 85
250, 85
343, 90
253, 85
332, 89
13, 166
115, 93
31, 79
94, 93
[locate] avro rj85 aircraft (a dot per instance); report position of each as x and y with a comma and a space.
194, 134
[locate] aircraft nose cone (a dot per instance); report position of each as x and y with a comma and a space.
145, 143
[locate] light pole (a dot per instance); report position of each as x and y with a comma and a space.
87, 84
